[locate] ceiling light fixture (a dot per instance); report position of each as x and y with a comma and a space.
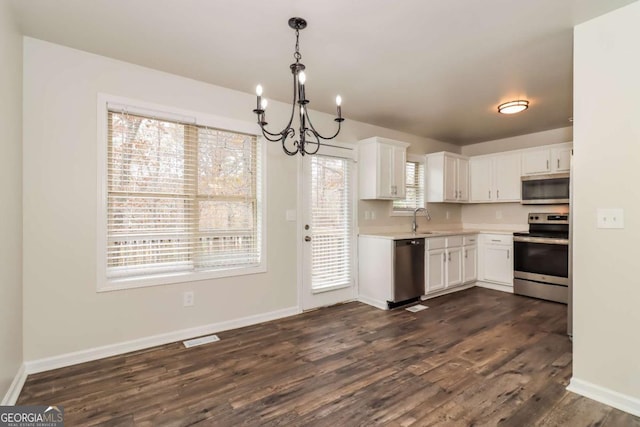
513, 107
306, 130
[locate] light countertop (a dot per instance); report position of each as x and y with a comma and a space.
399, 235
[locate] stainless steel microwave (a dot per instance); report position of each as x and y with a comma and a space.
552, 189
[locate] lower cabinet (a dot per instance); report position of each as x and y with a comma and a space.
435, 277
470, 264
445, 263
496, 259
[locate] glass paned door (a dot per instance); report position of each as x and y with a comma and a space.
327, 228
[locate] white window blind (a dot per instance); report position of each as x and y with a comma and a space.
414, 188
331, 222
180, 198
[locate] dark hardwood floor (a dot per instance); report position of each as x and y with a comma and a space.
476, 357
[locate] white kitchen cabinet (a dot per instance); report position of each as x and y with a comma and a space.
443, 263
561, 159
545, 160
435, 273
381, 169
536, 162
496, 259
447, 178
495, 178
470, 259
454, 267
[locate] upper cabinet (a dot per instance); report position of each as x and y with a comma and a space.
546, 160
447, 178
381, 168
495, 178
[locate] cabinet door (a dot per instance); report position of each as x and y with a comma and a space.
480, 178
385, 171
507, 177
498, 264
463, 180
561, 159
435, 274
470, 264
398, 173
450, 178
454, 267
536, 162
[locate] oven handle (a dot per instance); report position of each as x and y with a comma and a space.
541, 240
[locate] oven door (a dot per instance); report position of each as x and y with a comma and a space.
541, 260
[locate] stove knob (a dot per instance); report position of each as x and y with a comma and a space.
537, 217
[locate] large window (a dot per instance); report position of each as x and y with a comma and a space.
181, 200
414, 173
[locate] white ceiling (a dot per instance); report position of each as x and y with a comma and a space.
428, 67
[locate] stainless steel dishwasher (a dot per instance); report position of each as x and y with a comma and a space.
408, 270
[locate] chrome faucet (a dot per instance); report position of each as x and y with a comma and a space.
414, 224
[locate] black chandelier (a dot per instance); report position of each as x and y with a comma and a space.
301, 145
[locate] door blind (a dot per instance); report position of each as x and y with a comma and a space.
331, 222
414, 188
180, 197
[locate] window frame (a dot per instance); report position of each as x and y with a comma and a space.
105, 101
414, 158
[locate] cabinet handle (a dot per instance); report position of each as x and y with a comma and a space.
497, 194
489, 193
449, 257
496, 240
558, 163
507, 254
547, 164
465, 253
444, 257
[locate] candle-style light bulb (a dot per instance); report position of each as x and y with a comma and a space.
339, 104
302, 77
259, 90
264, 103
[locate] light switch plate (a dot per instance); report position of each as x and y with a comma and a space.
610, 218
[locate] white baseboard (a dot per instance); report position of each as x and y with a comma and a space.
604, 395
495, 286
15, 388
68, 359
373, 302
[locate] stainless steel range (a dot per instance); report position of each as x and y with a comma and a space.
541, 258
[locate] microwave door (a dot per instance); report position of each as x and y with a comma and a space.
546, 189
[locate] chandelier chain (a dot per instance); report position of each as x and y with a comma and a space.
297, 54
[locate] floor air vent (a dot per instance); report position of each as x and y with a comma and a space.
200, 341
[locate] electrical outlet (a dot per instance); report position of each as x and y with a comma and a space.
373, 214
448, 215
367, 215
188, 299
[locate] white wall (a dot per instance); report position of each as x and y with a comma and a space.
606, 350
512, 215
11, 196
63, 312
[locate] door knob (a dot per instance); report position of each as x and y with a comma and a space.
307, 238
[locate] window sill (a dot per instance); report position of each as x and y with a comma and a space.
109, 285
